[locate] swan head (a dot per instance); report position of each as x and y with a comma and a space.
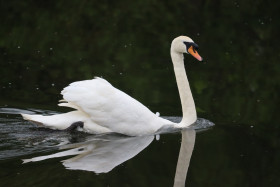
184, 44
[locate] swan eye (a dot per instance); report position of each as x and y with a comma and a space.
194, 46
188, 45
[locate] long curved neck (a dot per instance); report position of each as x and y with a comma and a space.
188, 106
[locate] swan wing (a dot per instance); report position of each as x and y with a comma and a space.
111, 108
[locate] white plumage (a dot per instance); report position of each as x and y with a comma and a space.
97, 102
103, 108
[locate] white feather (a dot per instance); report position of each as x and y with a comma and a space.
112, 108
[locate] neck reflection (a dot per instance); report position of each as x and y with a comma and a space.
187, 145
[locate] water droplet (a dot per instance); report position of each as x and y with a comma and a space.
120, 73
261, 21
18, 47
52, 84
125, 46
251, 126
51, 49
37, 88
157, 137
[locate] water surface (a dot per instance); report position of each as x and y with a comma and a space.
24, 143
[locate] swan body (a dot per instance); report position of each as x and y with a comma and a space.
103, 108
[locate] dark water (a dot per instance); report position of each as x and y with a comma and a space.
45, 45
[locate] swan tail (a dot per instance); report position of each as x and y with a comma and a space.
57, 121
32, 118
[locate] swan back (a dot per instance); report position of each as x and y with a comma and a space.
111, 108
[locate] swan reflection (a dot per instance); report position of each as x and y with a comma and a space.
186, 149
100, 154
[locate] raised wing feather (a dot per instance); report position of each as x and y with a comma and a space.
111, 108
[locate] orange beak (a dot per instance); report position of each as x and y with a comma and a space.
194, 53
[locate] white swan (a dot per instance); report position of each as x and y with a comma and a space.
102, 108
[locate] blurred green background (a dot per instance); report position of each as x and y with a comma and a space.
45, 45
